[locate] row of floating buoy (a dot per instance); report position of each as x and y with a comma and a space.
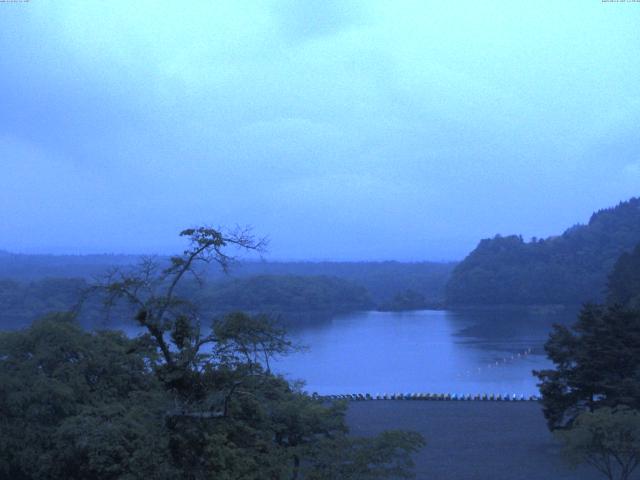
431, 396
497, 363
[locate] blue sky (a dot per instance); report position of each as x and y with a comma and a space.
339, 129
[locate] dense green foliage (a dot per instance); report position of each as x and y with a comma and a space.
592, 396
569, 269
282, 294
607, 439
80, 405
309, 294
23, 302
624, 281
383, 280
179, 401
597, 364
289, 296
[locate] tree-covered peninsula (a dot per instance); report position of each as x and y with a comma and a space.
571, 268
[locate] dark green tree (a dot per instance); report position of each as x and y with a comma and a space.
284, 294
179, 401
608, 439
597, 364
592, 397
79, 405
624, 281
569, 269
83, 405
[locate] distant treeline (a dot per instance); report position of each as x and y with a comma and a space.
572, 268
281, 294
569, 269
383, 280
23, 302
37, 285
34, 267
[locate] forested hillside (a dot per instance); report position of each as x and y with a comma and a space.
568, 269
291, 297
383, 280
21, 303
624, 281
33, 285
285, 294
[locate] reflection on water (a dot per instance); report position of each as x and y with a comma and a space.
466, 351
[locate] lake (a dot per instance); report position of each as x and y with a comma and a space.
467, 351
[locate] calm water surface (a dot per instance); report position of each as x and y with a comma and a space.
466, 351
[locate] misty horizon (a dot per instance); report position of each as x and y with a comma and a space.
266, 257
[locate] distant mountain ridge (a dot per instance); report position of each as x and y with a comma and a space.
568, 269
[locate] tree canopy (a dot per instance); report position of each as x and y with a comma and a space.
282, 294
296, 291
79, 405
608, 439
624, 280
181, 400
597, 360
597, 364
568, 269
591, 398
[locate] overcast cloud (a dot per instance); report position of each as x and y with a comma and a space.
341, 129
